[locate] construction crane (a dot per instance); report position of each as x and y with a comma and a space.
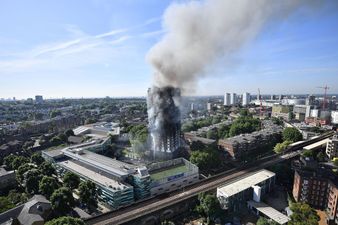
325, 92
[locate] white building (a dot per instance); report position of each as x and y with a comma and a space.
246, 99
233, 195
332, 147
227, 99
233, 99
314, 113
334, 117
209, 106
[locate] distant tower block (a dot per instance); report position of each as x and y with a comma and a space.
246, 99
226, 99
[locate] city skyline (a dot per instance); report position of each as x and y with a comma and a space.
100, 51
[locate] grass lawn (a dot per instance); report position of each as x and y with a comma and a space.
169, 172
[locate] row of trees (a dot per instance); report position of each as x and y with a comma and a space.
38, 176
289, 135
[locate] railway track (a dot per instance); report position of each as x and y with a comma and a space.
145, 207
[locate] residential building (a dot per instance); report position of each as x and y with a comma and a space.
317, 186
310, 100
234, 195
246, 144
332, 147
233, 99
226, 99
281, 111
33, 212
209, 106
246, 99
332, 205
7, 178
300, 112
38, 99
334, 117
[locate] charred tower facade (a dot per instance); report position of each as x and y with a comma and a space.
164, 121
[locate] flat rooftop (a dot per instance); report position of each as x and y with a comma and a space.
167, 172
109, 165
270, 212
92, 175
240, 185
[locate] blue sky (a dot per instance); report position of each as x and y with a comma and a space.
97, 48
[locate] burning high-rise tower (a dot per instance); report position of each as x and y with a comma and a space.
164, 121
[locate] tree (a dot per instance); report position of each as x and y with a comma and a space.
22, 170
37, 159
55, 113
18, 161
65, 220
69, 133
205, 159
8, 161
47, 169
63, 137
280, 147
308, 153
263, 221
197, 145
32, 178
335, 161
292, 134
321, 157
209, 206
212, 134
277, 121
303, 214
5, 204
87, 193
71, 180
47, 186
62, 200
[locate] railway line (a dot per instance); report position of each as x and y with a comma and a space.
145, 207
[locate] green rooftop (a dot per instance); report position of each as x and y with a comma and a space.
169, 172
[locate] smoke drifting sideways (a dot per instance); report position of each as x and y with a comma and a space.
198, 33
164, 118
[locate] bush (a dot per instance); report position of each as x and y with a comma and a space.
292, 134
280, 147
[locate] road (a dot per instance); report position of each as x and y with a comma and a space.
143, 208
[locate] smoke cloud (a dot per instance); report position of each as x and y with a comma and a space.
198, 32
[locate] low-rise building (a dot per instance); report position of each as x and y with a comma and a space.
332, 204
281, 111
171, 175
246, 144
234, 195
332, 147
7, 178
121, 183
33, 212
316, 186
